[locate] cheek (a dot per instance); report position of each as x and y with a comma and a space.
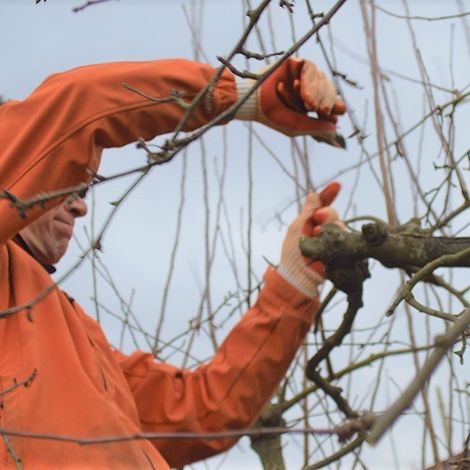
51, 237
42, 228
60, 230
34, 235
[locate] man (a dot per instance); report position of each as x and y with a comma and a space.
80, 386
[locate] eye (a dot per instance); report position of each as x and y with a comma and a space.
82, 194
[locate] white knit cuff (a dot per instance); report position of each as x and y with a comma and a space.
249, 109
306, 286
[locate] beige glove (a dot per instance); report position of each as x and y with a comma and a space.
301, 272
285, 98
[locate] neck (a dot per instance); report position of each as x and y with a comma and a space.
20, 241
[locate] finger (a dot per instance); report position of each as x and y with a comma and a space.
325, 215
318, 228
309, 83
284, 94
315, 202
296, 87
308, 229
319, 217
339, 107
328, 195
327, 101
312, 202
290, 98
328, 117
322, 90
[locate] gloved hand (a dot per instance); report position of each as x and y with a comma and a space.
301, 272
285, 98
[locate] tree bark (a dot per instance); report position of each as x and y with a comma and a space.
269, 448
404, 247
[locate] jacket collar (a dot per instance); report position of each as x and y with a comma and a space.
19, 240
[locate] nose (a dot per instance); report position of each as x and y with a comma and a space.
77, 206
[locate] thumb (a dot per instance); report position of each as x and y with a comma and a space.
328, 195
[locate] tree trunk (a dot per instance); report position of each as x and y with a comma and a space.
269, 450
269, 447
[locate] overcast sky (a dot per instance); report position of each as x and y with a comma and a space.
37, 40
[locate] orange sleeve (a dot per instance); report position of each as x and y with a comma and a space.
54, 138
231, 390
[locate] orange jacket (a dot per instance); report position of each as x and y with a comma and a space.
82, 387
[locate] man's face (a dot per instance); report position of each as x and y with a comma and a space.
48, 237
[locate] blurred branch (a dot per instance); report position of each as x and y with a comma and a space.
382, 148
367, 362
24, 383
339, 454
89, 3
344, 430
41, 199
11, 451
423, 18
442, 345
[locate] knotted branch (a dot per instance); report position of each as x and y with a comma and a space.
349, 279
404, 247
407, 247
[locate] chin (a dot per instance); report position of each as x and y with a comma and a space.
53, 258
56, 259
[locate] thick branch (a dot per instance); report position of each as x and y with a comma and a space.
333, 392
350, 280
269, 447
354, 304
401, 248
